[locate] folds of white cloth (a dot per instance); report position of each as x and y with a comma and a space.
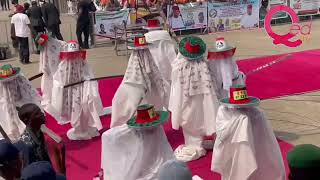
129, 154
193, 104
142, 83
245, 146
49, 61
79, 105
14, 93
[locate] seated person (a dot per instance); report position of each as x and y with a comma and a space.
10, 162
304, 162
41, 170
32, 142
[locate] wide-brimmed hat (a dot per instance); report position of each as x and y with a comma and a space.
192, 48
139, 42
147, 117
8, 72
72, 51
239, 98
153, 24
221, 50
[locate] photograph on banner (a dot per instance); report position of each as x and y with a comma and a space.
305, 7
227, 16
187, 16
106, 22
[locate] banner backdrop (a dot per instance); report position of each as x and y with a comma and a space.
305, 7
106, 21
226, 17
187, 16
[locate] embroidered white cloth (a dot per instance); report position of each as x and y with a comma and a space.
142, 82
246, 147
79, 104
226, 74
129, 154
15, 92
193, 105
49, 61
162, 49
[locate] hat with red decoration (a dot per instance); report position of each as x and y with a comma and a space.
139, 42
42, 40
221, 50
239, 98
72, 51
147, 117
192, 48
8, 72
153, 24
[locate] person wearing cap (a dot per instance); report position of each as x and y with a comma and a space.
41, 170
245, 146
224, 67
10, 161
137, 149
15, 91
251, 19
144, 82
32, 143
193, 101
80, 104
162, 47
304, 162
21, 29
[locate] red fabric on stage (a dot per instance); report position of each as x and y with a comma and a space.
293, 76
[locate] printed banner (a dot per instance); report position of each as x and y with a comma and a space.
227, 16
187, 16
267, 4
305, 7
106, 21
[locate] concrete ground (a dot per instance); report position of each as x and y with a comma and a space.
294, 119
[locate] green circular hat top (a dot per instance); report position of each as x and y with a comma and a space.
193, 40
304, 156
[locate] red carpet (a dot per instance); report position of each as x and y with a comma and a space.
285, 78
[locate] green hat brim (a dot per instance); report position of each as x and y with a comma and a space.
164, 116
253, 101
188, 55
304, 156
17, 71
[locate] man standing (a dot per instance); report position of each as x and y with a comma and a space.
36, 20
51, 17
20, 29
83, 22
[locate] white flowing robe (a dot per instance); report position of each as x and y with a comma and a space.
226, 74
49, 61
129, 154
79, 104
246, 147
142, 82
15, 92
162, 49
193, 100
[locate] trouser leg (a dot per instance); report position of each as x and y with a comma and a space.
86, 36
24, 49
79, 36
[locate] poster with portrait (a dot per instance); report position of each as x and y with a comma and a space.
187, 16
233, 16
106, 21
305, 7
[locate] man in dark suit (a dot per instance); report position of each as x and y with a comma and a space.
35, 16
51, 18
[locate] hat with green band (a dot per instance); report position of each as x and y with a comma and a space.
192, 48
8, 72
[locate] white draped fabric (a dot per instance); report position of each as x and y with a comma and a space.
15, 92
162, 49
79, 104
49, 61
193, 105
246, 147
142, 82
226, 74
129, 154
